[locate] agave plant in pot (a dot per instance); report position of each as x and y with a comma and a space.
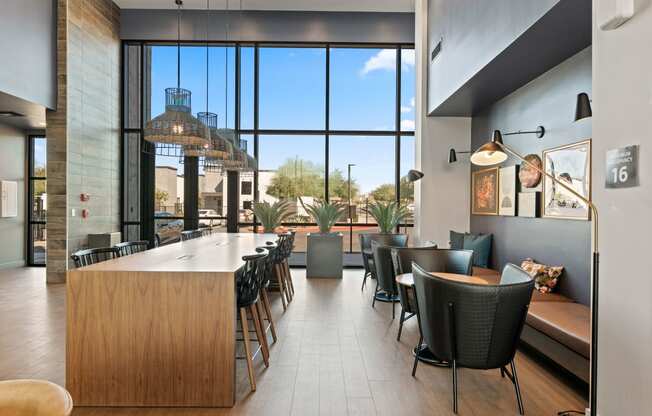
324, 253
271, 216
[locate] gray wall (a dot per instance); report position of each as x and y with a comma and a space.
270, 26
474, 32
622, 105
12, 168
28, 50
548, 101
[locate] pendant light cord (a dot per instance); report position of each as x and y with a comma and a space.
226, 68
179, 4
208, 12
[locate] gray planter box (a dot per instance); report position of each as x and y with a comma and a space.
324, 256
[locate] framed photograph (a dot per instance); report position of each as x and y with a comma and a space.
528, 204
507, 191
484, 192
571, 164
530, 178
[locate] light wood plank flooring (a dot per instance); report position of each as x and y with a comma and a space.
335, 356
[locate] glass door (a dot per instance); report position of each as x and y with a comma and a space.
37, 201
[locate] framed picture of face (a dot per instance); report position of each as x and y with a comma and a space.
507, 195
484, 192
572, 165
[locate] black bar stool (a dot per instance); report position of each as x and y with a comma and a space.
131, 247
269, 270
93, 255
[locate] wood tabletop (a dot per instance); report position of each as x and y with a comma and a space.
219, 252
407, 279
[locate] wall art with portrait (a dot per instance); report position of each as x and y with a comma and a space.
484, 192
572, 165
507, 191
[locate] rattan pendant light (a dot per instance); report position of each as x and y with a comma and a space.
176, 127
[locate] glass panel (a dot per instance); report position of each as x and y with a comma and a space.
363, 89
167, 230
39, 237
292, 88
131, 232
247, 68
40, 157
168, 194
407, 163
132, 86
39, 200
131, 164
408, 85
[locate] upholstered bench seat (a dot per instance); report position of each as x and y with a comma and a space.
566, 322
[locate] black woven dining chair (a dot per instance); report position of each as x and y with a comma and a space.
190, 234
431, 259
131, 247
395, 240
471, 325
271, 249
91, 256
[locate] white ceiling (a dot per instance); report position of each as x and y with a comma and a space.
285, 5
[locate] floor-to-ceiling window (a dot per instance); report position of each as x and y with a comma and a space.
324, 121
37, 201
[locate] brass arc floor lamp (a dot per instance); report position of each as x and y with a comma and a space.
496, 152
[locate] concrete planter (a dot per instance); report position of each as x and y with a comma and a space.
324, 256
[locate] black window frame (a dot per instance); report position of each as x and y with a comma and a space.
29, 206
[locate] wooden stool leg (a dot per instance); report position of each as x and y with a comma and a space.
288, 293
260, 334
261, 323
268, 312
247, 346
289, 274
281, 287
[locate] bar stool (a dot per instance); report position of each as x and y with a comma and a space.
279, 269
91, 256
131, 247
248, 288
34, 398
269, 270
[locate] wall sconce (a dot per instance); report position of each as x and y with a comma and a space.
452, 155
583, 107
414, 175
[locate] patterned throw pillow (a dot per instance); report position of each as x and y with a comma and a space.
545, 277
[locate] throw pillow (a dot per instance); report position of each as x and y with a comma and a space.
545, 277
481, 246
457, 240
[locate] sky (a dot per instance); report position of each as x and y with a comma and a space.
292, 96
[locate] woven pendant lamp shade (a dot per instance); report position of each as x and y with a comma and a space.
177, 126
217, 148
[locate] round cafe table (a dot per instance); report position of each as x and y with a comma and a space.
406, 279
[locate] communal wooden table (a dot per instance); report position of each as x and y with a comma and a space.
157, 328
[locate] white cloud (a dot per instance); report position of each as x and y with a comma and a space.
412, 102
408, 57
407, 125
383, 60
406, 109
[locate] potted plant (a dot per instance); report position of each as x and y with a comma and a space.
388, 215
271, 216
324, 253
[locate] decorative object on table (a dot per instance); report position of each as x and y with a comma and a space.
271, 216
484, 192
388, 215
545, 277
495, 152
324, 252
530, 178
507, 191
572, 165
176, 127
528, 204
452, 154
622, 167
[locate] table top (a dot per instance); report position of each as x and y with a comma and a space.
218, 252
407, 279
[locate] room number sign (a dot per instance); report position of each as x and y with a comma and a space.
622, 167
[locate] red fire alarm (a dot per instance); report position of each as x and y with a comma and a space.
84, 197
85, 213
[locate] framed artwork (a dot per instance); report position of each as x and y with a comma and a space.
529, 177
528, 204
571, 164
484, 192
507, 191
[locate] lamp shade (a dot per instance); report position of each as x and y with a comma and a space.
414, 175
583, 107
176, 125
452, 156
490, 153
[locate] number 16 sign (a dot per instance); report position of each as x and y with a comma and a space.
622, 167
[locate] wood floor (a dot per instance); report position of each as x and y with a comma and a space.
335, 356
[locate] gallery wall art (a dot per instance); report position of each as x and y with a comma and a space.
484, 192
507, 191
